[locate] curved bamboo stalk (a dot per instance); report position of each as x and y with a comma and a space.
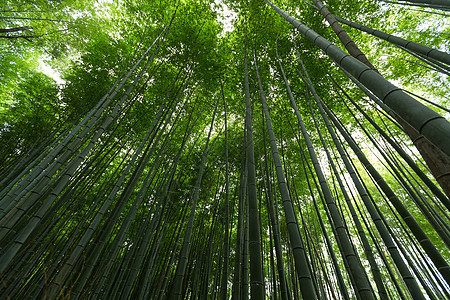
415, 47
435, 159
348, 43
427, 122
437, 4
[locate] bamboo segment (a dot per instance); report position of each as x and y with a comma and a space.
427, 122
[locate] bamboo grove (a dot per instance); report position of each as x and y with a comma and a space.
271, 161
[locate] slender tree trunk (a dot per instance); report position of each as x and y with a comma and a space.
285, 292
223, 290
361, 281
256, 262
345, 39
409, 45
15, 29
176, 292
340, 278
438, 4
237, 276
301, 262
367, 249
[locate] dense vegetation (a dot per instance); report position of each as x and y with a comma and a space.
203, 150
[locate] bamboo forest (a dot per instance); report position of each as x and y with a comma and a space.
201, 149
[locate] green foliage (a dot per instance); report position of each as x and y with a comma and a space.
35, 110
93, 44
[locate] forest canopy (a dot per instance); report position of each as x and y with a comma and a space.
225, 149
